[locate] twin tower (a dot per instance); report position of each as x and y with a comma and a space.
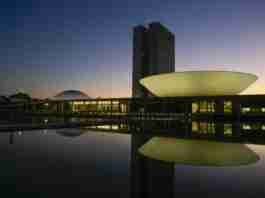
153, 53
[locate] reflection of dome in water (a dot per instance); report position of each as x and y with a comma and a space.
70, 132
4, 99
71, 95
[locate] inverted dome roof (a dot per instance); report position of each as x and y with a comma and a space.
198, 83
71, 95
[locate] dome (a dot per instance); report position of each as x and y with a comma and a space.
71, 95
198, 83
70, 132
20, 97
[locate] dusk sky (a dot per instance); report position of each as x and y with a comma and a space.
52, 45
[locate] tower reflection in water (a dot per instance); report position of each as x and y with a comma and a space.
11, 138
149, 178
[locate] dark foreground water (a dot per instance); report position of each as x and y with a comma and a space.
77, 163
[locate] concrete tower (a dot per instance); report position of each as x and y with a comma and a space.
153, 53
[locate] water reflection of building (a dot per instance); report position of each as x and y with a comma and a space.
243, 129
149, 178
75, 132
11, 138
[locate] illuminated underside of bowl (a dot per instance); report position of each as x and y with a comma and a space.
198, 152
198, 83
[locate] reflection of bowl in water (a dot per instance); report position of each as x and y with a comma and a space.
70, 132
198, 152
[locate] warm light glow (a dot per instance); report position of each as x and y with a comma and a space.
198, 83
246, 109
246, 127
227, 106
227, 129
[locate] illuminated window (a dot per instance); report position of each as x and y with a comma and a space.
206, 106
203, 106
211, 128
115, 102
227, 129
77, 103
227, 106
206, 127
123, 108
255, 110
211, 106
246, 109
195, 107
246, 127
195, 126
263, 109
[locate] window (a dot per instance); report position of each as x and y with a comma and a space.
211, 107
195, 126
195, 107
203, 107
206, 127
245, 109
227, 106
246, 127
227, 129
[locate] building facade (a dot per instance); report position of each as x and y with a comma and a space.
153, 53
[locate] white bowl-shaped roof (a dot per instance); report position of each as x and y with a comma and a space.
71, 95
198, 83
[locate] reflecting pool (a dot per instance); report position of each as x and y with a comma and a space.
87, 162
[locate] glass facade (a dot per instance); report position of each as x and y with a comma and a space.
228, 129
195, 107
203, 106
227, 106
104, 106
203, 127
252, 109
157, 105
253, 126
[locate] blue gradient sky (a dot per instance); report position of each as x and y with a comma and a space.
51, 45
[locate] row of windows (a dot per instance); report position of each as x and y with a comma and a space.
210, 106
253, 109
211, 128
102, 107
202, 106
253, 126
107, 102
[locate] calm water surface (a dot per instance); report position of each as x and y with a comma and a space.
52, 163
